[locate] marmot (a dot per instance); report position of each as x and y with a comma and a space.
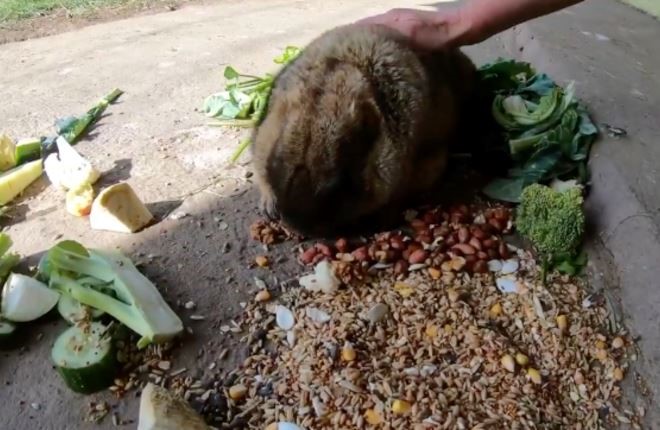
356, 125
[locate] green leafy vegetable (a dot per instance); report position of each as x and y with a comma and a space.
548, 132
244, 100
290, 53
109, 282
71, 128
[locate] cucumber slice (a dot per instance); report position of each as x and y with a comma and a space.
85, 357
74, 312
7, 331
26, 299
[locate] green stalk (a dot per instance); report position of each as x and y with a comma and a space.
242, 123
90, 297
241, 147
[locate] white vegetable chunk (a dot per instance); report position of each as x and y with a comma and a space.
26, 299
117, 208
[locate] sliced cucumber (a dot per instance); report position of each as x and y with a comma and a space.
7, 331
26, 299
85, 357
73, 311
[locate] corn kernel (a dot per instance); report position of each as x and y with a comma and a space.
562, 322
508, 363
431, 330
496, 310
401, 407
262, 296
237, 392
373, 417
534, 375
403, 289
261, 261
348, 353
522, 359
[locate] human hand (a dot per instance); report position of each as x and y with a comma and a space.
429, 30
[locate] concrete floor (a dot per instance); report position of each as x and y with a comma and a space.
157, 140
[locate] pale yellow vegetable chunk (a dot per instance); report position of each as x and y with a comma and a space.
117, 208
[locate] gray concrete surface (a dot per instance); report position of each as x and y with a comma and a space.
157, 140
611, 53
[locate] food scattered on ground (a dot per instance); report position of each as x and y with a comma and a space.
162, 410
434, 241
269, 232
440, 324
548, 131
414, 350
118, 208
108, 281
23, 163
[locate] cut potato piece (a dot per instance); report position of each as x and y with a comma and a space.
118, 208
162, 410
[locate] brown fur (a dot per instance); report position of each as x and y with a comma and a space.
357, 124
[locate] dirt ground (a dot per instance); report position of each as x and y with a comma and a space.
62, 20
156, 139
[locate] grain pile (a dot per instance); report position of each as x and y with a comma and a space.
467, 337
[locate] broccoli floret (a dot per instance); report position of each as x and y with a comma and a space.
552, 220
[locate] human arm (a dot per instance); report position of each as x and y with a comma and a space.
467, 23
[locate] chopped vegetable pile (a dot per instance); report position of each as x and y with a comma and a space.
24, 162
549, 132
87, 287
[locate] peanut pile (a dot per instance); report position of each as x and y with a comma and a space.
461, 239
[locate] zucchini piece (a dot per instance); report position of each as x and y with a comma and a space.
85, 357
74, 312
13, 182
28, 150
26, 299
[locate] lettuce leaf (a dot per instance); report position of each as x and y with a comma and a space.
548, 131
